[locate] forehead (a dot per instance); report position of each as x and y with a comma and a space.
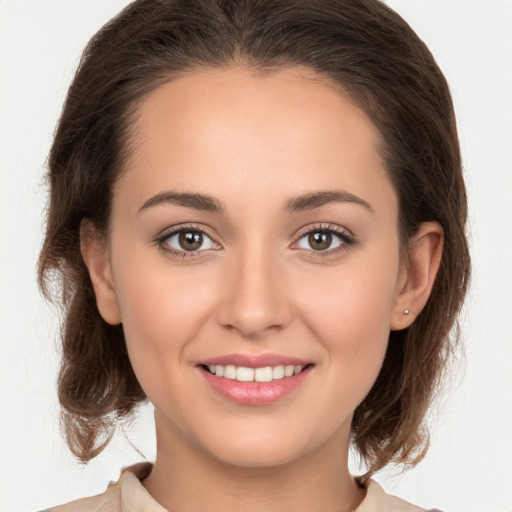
221, 130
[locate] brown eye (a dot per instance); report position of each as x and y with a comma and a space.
190, 240
185, 240
324, 240
320, 240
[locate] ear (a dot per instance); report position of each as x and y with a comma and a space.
417, 275
96, 257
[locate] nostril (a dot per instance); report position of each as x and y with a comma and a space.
255, 301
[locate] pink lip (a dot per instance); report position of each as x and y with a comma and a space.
254, 393
253, 361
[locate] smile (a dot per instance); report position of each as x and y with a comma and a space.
263, 374
248, 380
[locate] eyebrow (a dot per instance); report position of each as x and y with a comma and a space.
188, 200
296, 204
318, 199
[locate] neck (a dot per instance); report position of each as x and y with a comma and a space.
185, 479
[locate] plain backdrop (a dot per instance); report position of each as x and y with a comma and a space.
468, 467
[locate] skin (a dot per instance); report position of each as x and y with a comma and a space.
254, 143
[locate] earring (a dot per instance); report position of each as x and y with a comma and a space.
406, 311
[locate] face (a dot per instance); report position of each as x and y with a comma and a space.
254, 262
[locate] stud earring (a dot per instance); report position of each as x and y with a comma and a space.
406, 311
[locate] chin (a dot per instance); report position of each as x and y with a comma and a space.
258, 457
260, 448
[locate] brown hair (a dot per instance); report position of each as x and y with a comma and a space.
360, 45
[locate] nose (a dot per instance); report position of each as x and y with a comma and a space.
255, 300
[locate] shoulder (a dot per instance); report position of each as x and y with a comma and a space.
377, 500
126, 494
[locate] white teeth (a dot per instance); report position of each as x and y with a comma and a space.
244, 374
288, 370
265, 374
278, 372
230, 372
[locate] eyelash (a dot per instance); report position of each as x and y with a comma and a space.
347, 239
161, 239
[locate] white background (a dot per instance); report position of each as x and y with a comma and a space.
468, 468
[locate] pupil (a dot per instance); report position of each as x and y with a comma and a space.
320, 240
190, 240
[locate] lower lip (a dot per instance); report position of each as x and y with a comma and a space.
255, 393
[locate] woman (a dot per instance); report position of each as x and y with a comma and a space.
257, 214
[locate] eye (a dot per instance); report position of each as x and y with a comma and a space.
187, 240
324, 240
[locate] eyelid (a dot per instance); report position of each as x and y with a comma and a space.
173, 230
345, 234
325, 226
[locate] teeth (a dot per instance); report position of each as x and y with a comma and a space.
265, 374
244, 374
230, 372
277, 372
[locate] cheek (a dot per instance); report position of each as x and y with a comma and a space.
350, 316
162, 309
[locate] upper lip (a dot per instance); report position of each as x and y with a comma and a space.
254, 361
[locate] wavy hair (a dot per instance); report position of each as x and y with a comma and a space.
363, 47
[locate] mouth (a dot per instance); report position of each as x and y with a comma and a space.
261, 374
255, 381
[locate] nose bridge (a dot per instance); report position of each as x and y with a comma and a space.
255, 299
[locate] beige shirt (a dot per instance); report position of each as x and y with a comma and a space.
129, 495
